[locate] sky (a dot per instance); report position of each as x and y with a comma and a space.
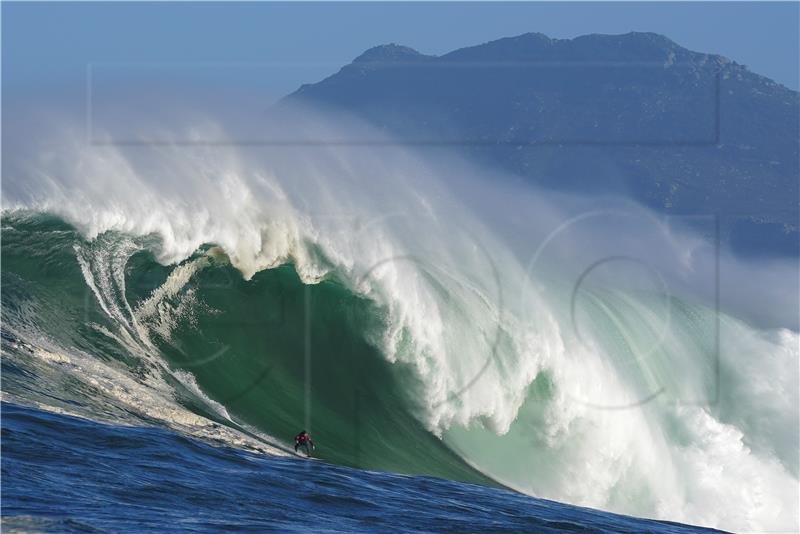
272, 48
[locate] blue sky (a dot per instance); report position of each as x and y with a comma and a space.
276, 47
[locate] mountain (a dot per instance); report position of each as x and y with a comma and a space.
683, 132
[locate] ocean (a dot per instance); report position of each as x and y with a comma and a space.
70, 474
467, 355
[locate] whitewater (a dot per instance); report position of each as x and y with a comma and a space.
424, 314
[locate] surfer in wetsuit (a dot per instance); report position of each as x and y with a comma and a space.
303, 439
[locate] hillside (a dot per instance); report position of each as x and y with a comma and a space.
681, 131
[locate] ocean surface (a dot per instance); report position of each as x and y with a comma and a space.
69, 474
173, 314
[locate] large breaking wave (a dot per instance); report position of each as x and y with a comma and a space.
414, 312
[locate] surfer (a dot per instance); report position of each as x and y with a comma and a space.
303, 439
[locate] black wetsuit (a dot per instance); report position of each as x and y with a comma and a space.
303, 439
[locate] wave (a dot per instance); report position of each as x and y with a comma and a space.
239, 294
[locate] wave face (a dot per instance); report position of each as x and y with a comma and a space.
239, 295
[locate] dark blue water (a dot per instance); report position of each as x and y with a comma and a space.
65, 474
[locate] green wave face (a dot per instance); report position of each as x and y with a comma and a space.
282, 355
279, 355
